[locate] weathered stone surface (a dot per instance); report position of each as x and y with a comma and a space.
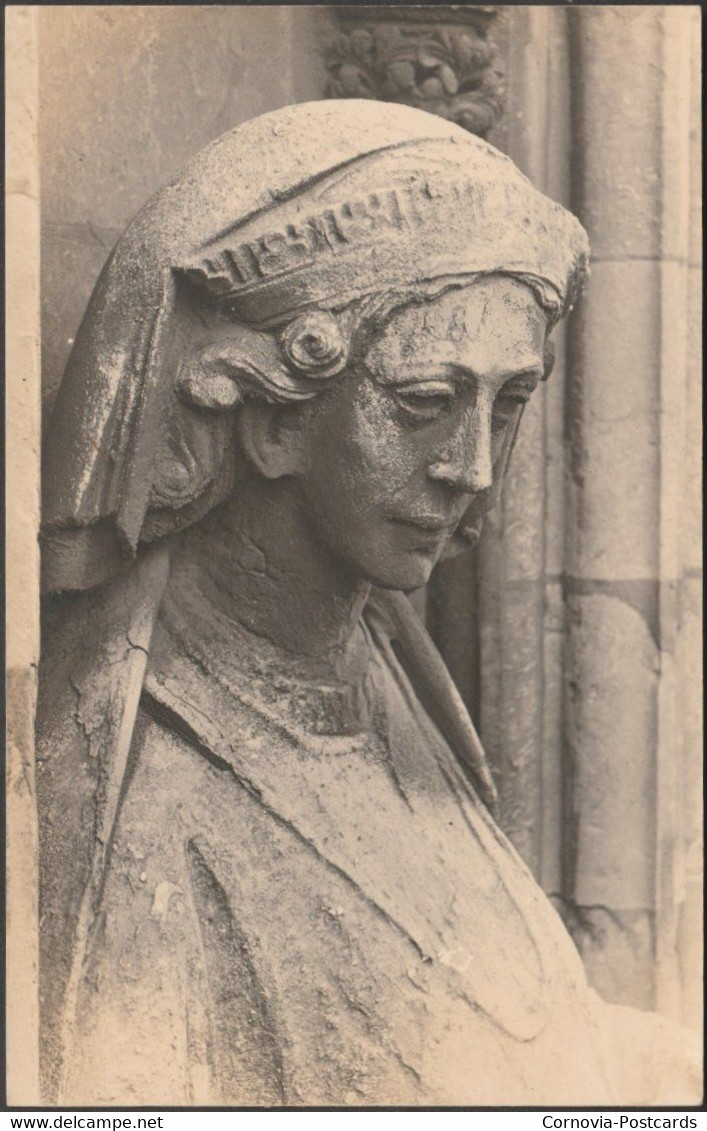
511, 632
171, 80
654, 600
631, 516
619, 189
127, 96
612, 680
21, 1002
675, 408
618, 948
555, 452
614, 425
519, 780
553, 763
76, 252
522, 514
452, 616
304, 461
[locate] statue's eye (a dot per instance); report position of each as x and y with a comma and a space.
513, 394
426, 401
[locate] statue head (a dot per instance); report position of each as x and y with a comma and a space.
350, 298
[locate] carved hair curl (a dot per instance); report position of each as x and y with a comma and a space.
315, 345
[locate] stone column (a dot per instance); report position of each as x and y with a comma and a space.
521, 551
22, 516
630, 568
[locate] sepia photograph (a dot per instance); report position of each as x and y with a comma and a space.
354, 557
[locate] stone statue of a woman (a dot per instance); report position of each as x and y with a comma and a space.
269, 873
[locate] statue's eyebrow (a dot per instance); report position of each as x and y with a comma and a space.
528, 369
405, 374
533, 371
449, 370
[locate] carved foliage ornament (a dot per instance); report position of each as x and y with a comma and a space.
439, 60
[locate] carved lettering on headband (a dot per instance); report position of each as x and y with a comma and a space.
356, 223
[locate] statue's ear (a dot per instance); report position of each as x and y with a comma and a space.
271, 438
243, 370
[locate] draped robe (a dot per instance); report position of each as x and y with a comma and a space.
304, 901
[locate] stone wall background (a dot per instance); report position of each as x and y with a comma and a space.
632, 551
573, 630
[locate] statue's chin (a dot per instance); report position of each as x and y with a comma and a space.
418, 573
405, 576
463, 540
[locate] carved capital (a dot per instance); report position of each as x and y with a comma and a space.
438, 58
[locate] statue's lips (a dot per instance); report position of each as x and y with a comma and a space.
430, 525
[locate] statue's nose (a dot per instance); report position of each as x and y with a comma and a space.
465, 462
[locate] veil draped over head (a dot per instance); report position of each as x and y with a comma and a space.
312, 205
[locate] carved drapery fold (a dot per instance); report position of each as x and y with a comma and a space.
439, 59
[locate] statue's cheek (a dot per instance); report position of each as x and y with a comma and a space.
382, 442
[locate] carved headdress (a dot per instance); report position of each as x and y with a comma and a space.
312, 206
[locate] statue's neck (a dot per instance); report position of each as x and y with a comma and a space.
257, 563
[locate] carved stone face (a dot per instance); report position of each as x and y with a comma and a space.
396, 450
